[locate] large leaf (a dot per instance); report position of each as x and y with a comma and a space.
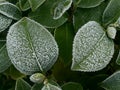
112, 82
112, 12
92, 49
4, 59
34, 4
10, 10
64, 37
90, 3
61, 7
4, 22
44, 15
22, 85
83, 15
72, 86
24, 5
31, 47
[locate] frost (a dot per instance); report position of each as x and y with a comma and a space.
111, 31
10, 10
92, 49
61, 8
31, 47
4, 22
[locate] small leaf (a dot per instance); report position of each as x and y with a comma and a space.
44, 16
72, 86
4, 22
22, 85
90, 3
24, 5
37, 78
61, 8
4, 59
118, 58
10, 10
112, 12
92, 49
37, 87
34, 4
31, 47
112, 82
64, 36
111, 31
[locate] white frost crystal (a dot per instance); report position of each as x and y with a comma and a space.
111, 31
31, 47
92, 49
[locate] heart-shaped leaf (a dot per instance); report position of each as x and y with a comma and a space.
90, 3
22, 85
112, 12
44, 15
24, 5
10, 10
112, 82
92, 49
61, 7
31, 47
4, 22
4, 59
34, 4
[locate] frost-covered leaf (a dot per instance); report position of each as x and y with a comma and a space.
90, 3
118, 58
92, 49
72, 86
4, 59
24, 5
22, 85
10, 10
4, 22
61, 7
31, 47
112, 82
112, 12
44, 16
111, 31
64, 36
34, 4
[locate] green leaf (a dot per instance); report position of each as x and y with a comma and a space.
83, 15
72, 86
22, 85
10, 10
64, 36
24, 5
44, 16
34, 4
61, 7
118, 58
4, 59
89, 3
37, 87
4, 22
112, 12
112, 82
31, 47
92, 49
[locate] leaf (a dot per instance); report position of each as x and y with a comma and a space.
4, 22
24, 5
118, 58
44, 16
89, 3
64, 36
61, 7
111, 31
72, 86
4, 59
31, 47
112, 12
92, 49
37, 87
112, 82
83, 15
22, 85
10, 10
34, 4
